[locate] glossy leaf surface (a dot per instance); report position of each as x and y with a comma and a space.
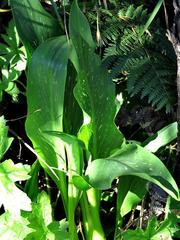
74, 150
131, 160
94, 92
33, 23
75, 165
45, 95
45, 98
161, 138
131, 190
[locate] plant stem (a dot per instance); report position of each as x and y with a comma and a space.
87, 223
62, 186
152, 16
71, 210
91, 219
119, 219
94, 203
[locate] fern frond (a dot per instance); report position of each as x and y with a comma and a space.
135, 14
148, 61
151, 79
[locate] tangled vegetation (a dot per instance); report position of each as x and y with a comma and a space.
88, 126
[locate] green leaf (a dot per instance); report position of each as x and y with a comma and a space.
33, 23
80, 32
161, 138
31, 187
14, 61
13, 90
46, 107
152, 16
94, 92
13, 228
12, 197
81, 182
75, 155
74, 150
130, 192
5, 141
4, 49
8, 81
134, 235
73, 118
45, 99
131, 160
172, 223
153, 231
40, 217
42, 223
59, 229
11, 37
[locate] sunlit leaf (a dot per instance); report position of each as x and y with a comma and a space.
161, 138
75, 165
31, 187
12, 197
59, 230
45, 98
14, 61
94, 92
12, 37
81, 182
153, 231
131, 190
5, 141
42, 223
131, 160
13, 228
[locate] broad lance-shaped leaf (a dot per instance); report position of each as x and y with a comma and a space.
45, 98
161, 138
33, 23
73, 117
12, 197
13, 228
75, 153
5, 141
94, 92
42, 223
131, 190
131, 160
74, 150
45, 90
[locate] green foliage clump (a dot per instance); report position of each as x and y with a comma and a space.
145, 59
12, 62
